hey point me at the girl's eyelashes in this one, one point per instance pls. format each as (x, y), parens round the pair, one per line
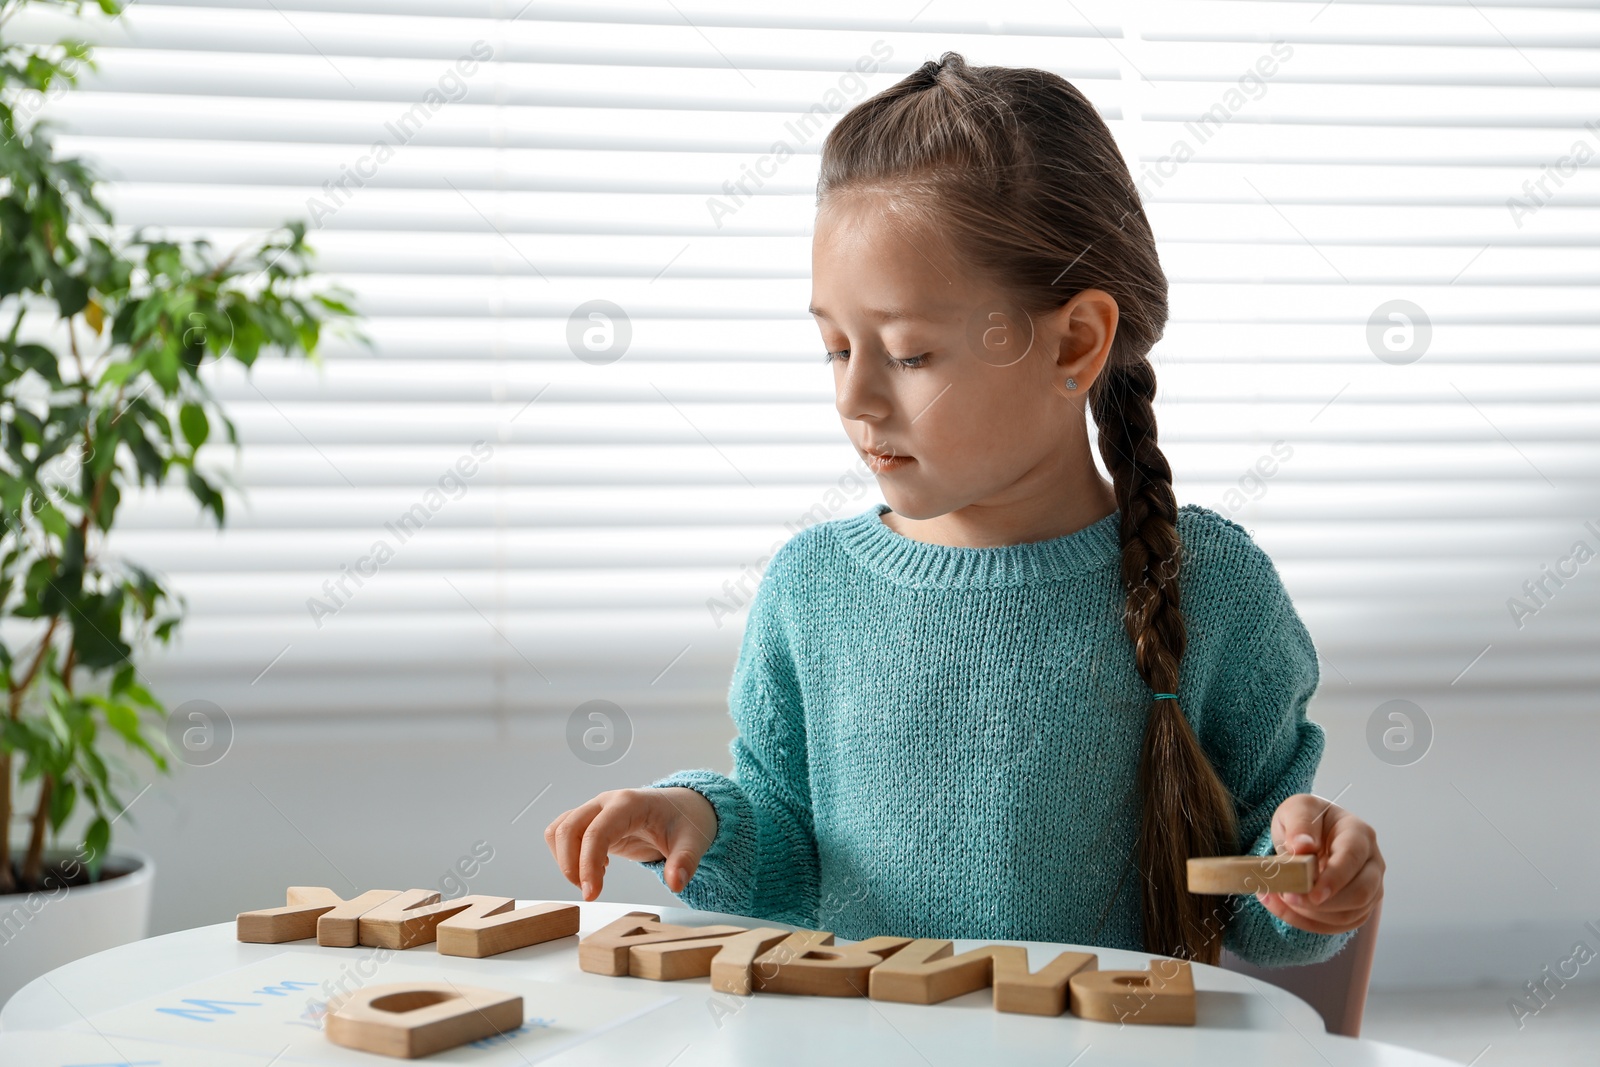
(903, 364)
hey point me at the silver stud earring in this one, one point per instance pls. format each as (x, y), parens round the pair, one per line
(1072, 383)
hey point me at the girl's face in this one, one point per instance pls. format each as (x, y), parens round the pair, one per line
(937, 370)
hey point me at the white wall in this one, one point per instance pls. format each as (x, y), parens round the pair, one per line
(1489, 840)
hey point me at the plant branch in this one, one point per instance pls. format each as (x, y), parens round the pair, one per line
(20, 688)
(33, 863)
(77, 357)
(8, 881)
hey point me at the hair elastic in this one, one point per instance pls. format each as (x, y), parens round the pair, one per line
(1166, 696)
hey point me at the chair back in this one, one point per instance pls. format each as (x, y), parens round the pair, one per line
(1337, 988)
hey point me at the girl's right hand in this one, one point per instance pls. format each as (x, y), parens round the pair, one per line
(675, 824)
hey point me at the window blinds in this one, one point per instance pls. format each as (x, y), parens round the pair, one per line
(580, 235)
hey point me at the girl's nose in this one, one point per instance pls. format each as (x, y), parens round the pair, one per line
(857, 392)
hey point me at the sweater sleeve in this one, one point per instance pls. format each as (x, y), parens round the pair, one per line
(763, 859)
(1266, 750)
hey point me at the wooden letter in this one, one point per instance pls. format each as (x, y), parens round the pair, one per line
(303, 915)
(668, 961)
(469, 933)
(272, 926)
(1043, 993)
(386, 927)
(731, 969)
(925, 972)
(341, 927)
(411, 1019)
(606, 950)
(1252, 874)
(809, 963)
(474, 926)
(1164, 994)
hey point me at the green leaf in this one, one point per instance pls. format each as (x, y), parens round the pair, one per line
(163, 365)
(40, 596)
(121, 371)
(97, 631)
(19, 735)
(205, 494)
(152, 415)
(53, 521)
(40, 360)
(140, 695)
(27, 423)
(60, 725)
(68, 581)
(110, 497)
(95, 768)
(124, 719)
(95, 843)
(121, 678)
(71, 293)
(144, 454)
(62, 799)
(192, 418)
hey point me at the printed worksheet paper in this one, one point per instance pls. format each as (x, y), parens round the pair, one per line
(275, 1008)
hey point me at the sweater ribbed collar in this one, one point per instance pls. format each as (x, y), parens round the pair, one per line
(906, 561)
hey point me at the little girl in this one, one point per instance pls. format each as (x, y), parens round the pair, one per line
(982, 710)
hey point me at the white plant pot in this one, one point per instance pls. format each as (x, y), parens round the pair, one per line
(41, 931)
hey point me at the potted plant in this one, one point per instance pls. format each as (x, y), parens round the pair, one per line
(102, 344)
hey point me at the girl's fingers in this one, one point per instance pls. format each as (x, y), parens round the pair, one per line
(1353, 915)
(623, 822)
(569, 837)
(1311, 926)
(1275, 904)
(1349, 910)
(683, 855)
(630, 820)
(550, 831)
(1302, 921)
(613, 821)
(1349, 877)
(1349, 849)
(1358, 894)
(552, 838)
(1298, 823)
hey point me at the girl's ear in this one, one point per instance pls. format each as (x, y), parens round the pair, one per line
(1085, 325)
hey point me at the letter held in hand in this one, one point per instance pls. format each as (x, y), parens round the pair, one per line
(1253, 874)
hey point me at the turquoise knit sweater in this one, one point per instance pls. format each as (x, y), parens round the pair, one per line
(937, 741)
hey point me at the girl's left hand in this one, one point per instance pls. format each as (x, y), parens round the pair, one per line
(1349, 880)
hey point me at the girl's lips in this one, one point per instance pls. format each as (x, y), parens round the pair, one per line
(884, 464)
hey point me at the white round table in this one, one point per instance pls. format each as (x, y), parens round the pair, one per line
(1239, 1021)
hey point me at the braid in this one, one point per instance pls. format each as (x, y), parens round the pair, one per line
(1187, 810)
